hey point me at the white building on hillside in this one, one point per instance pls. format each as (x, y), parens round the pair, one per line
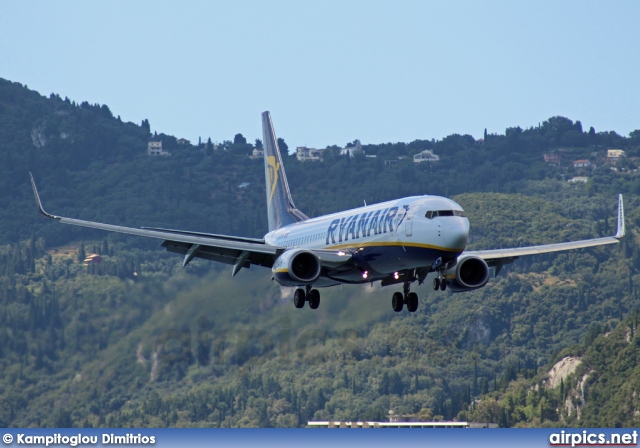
(425, 156)
(303, 153)
(614, 155)
(352, 150)
(154, 148)
(257, 153)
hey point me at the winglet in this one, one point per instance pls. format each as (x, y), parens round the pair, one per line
(620, 232)
(35, 192)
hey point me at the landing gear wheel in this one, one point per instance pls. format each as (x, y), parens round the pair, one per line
(298, 298)
(314, 299)
(443, 284)
(436, 284)
(412, 302)
(397, 301)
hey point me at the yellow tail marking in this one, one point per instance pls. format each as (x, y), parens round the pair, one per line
(273, 175)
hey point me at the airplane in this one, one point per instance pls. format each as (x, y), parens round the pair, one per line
(394, 242)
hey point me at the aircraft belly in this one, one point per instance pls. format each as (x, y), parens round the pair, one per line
(389, 259)
(380, 261)
(324, 282)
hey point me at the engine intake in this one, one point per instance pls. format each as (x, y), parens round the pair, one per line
(297, 267)
(469, 273)
(305, 267)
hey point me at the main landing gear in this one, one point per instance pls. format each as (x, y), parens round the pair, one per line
(399, 299)
(311, 295)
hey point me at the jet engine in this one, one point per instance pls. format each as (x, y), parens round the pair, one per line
(297, 267)
(469, 273)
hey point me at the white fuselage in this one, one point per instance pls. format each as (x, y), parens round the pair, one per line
(388, 237)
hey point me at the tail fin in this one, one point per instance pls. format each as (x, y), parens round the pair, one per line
(280, 207)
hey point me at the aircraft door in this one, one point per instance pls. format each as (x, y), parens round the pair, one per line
(408, 222)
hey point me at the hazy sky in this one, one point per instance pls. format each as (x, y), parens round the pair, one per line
(333, 71)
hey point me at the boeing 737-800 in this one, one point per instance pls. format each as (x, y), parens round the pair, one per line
(394, 242)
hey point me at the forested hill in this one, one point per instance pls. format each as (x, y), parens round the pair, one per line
(90, 165)
(139, 341)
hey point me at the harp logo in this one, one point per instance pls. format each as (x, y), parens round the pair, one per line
(274, 168)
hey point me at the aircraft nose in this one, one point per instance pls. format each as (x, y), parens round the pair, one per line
(457, 233)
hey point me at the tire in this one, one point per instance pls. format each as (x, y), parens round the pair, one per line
(443, 284)
(298, 298)
(397, 302)
(412, 302)
(314, 299)
(436, 284)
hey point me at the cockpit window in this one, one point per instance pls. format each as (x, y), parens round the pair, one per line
(435, 213)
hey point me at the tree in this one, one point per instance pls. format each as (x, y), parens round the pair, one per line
(208, 148)
(593, 138)
(258, 143)
(284, 148)
(240, 145)
(487, 411)
(425, 415)
(62, 419)
(239, 140)
(81, 253)
(146, 126)
(105, 246)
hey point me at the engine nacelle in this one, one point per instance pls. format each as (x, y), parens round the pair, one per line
(469, 273)
(297, 267)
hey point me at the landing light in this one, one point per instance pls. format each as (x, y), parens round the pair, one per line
(365, 274)
(396, 275)
(342, 254)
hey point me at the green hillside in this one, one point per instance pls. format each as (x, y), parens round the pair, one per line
(139, 341)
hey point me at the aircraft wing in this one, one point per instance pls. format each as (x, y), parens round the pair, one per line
(238, 251)
(500, 257)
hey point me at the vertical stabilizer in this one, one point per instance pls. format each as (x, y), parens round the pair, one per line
(280, 208)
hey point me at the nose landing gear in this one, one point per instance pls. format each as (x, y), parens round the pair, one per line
(439, 282)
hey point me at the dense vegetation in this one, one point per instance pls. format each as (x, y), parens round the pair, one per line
(139, 341)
